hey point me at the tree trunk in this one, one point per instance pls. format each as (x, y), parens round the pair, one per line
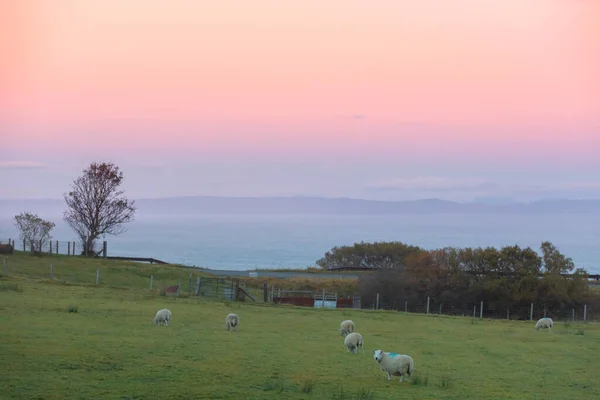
(90, 242)
(89, 246)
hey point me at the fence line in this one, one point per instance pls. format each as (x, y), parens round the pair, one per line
(533, 312)
(174, 281)
(479, 310)
(169, 282)
(63, 247)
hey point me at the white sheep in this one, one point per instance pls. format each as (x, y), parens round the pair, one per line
(353, 341)
(163, 316)
(544, 323)
(232, 321)
(346, 327)
(394, 364)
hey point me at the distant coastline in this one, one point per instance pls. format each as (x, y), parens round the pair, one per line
(224, 233)
(318, 205)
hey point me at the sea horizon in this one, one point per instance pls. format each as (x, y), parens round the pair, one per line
(279, 241)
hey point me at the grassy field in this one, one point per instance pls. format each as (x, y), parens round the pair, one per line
(82, 270)
(133, 275)
(61, 341)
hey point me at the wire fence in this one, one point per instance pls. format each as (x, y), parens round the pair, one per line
(163, 280)
(480, 310)
(64, 247)
(180, 281)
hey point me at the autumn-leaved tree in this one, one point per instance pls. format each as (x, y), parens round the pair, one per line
(379, 255)
(554, 261)
(509, 278)
(96, 206)
(34, 230)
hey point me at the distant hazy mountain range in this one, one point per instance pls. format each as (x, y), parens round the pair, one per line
(312, 205)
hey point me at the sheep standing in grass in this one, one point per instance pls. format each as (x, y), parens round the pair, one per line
(544, 323)
(163, 316)
(232, 321)
(394, 364)
(346, 327)
(353, 342)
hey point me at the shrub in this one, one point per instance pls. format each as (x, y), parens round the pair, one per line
(6, 249)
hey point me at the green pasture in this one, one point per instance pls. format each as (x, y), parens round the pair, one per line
(112, 273)
(72, 341)
(135, 275)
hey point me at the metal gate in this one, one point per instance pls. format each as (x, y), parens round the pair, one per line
(324, 300)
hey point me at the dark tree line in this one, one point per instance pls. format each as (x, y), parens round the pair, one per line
(507, 278)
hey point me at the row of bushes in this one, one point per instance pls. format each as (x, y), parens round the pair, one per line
(507, 278)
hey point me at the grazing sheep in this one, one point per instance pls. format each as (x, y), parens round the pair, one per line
(346, 327)
(163, 316)
(544, 323)
(394, 364)
(232, 321)
(353, 342)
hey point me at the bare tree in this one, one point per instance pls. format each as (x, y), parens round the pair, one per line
(33, 230)
(96, 206)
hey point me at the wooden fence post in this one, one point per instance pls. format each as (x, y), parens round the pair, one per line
(24, 246)
(474, 310)
(73, 247)
(50, 242)
(178, 286)
(69, 248)
(427, 304)
(265, 292)
(531, 313)
(236, 289)
(377, 302)
(584, 312)
(104, 248)
(481, 311)
(190, 285)
(406, 306)
(441, 304)
(508, 313)
(57, 247)
(151, 279)
(51, 272)
(97, 275)
(5, 271)
(573, 314)
(197, 286)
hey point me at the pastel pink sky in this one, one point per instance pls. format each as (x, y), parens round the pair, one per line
(460, 85)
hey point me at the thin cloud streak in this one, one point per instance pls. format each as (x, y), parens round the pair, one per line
(21, 165)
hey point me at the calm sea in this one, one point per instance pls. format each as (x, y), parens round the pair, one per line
(274, 241)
